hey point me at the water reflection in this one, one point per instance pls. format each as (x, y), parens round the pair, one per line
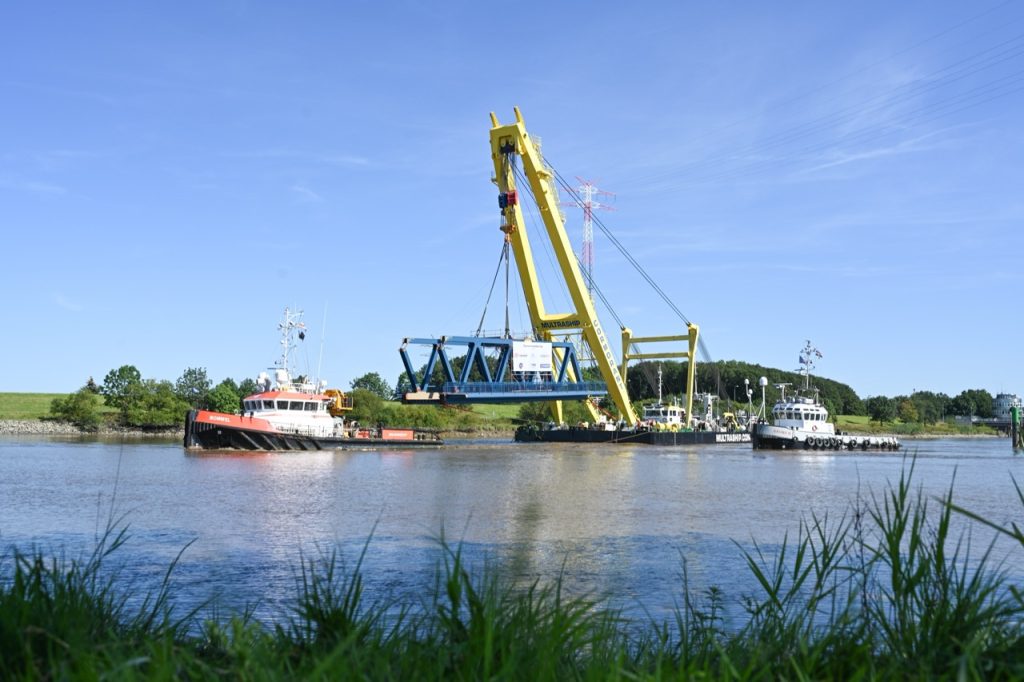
(614, 520)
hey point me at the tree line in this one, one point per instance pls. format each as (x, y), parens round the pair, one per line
(132, 401)
(126, 399)
(726, 380)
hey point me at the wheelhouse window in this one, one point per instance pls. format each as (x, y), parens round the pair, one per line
(282, 404)
(310, 407)
(268, 404)
(295, 405)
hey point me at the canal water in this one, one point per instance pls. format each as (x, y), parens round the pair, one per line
(614, 521)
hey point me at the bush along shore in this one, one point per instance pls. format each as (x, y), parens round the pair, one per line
(885, 591)
(56, 427)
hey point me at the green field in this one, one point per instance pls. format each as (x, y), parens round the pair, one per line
(863, 424)
(26, 405)
(509, 411)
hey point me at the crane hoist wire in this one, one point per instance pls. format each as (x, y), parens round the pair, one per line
(705, 355)
(646, 370)
(502, 260)
(702, 348)
(535, 223)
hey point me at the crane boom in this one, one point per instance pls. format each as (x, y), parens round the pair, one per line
(507, 143)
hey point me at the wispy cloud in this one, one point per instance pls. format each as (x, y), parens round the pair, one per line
(841, 157)
(345, 160)
(327, 159)
(67, 304)
(305, 195)
(32, 186)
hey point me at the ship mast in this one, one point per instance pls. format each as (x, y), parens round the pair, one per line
(292, 321)
(807, 357)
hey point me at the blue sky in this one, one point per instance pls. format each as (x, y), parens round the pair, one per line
(172, 175)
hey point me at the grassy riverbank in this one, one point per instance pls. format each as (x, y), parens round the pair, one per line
(885, 591)
(26, 405)
(862, 424)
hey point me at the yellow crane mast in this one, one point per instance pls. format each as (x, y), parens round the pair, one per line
(507, 143)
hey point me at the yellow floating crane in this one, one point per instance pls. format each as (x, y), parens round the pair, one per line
(509, 143)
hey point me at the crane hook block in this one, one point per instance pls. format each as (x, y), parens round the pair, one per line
(506, 199)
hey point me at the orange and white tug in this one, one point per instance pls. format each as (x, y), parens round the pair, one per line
(293, 414)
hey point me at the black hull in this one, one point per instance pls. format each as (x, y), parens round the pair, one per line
(203, 436)
(760, 442)
(662, 438)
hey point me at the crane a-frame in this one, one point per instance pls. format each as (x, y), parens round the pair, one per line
(509, 142)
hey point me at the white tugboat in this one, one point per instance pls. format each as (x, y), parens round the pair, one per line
(292, 414)
(801, 421)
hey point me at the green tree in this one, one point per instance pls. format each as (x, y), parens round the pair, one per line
(881, 409)
(247, 387)
(224, 397)
(977, 402)
(930, 406)
(81, 408)
(373, 383)
(907, 412)
(403, 385)
(158, 405)
(121, 387)
(367, 406)
(193, 386)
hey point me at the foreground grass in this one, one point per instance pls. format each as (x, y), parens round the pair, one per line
(884, 591)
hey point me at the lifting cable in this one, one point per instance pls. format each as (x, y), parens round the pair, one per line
(702, 348)
(524, 186)
(588, 277)
(705, 355)
(502, 259)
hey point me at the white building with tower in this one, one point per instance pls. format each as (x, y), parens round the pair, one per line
(1002, 404)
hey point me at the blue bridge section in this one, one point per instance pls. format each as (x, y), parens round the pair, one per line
(482, 370)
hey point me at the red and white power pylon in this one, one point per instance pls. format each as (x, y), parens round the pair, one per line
(587, 192)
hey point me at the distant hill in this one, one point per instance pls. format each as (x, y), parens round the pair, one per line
(725, 379)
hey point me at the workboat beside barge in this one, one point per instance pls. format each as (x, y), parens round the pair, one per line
(293, 414)
(801, 422)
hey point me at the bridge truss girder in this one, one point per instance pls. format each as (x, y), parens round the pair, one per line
(499, 384)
